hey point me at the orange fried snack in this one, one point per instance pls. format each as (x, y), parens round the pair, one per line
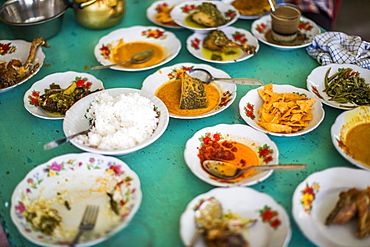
(164, 15)
(284, 112)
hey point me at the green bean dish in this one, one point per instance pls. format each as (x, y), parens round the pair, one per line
(346, 86)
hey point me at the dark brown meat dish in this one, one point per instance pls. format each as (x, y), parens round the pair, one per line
(352, 203)
(14, 71)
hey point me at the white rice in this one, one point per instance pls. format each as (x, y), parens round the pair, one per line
(120, 122)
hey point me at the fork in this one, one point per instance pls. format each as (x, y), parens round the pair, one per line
(87, 222)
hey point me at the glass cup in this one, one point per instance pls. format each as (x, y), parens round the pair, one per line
(284, 22)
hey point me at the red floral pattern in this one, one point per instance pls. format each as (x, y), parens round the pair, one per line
(195, 43)
(265, 152)
(188, 8)
(309, 196)
(156, 34)
(249, 111)
(270, 217)
(7, 48)
(316, 92)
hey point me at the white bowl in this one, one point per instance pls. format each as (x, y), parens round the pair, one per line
(80, 179)
(343, 123)
(316, 82)
(64, 80)
(194, 43)
(75, 121)
(155, 8)
(20, 49)
(248, 203)
(254, 102)
(167, 40)
(181, 11)
(259, 142)
(164, 75)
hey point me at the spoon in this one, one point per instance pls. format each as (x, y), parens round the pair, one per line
(137, 58)
(56, 143)
(272, 5)
(206, 77)
(204, 215)
(217, 168)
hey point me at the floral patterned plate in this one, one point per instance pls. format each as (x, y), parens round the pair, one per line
(237, 35)
(19, 49)
(181, 12)
(316, 82)
(316, 196)
(271, 229)
(259, 142)
(261, 29)
(345, 122)
(78, 180)
(157, 8)
(64, 80)
(250, 103)
(150, 34)
(163, 75)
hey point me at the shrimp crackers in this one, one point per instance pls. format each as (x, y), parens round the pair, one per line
(284, 112)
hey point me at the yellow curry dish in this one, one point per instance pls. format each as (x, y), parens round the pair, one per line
(124, 52)
(358, 142)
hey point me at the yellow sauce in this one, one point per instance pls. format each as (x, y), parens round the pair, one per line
(170, 94)
(225, 55)
(124, 52)
(358, 142)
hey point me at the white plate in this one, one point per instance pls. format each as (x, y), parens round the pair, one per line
(84, 178)
(237, 35)
(251, 102)
(263, 25)
(163, 75)
(64, 80)
(316, 196)
(266, 149)
(150, 34)
(250, 204)
(316, 82)
(154, 9)
(75, 121)
(181, 11)
(20, 49)
(343, 123)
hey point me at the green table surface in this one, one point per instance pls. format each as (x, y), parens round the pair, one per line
(167, 183)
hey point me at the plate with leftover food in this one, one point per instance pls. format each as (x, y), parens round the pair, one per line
(52, 96)
(121, 44)
(48, 204)
(19, 61)
(281, 110)
(250, 9)
(330, 207)
(243, 215)
(350, 135)
(342, 86)
(239, 145)
(204, 16)
(226, 45)
(176, 89)
(307, 29)
(119, 120)
(159, 13)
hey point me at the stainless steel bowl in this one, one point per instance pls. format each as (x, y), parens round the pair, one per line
(33, 19)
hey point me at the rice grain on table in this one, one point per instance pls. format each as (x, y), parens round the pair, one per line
(120, 122)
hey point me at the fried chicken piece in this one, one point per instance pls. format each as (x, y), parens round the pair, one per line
(345, 209)
(217, 41)
(363, 208)
(222, 238)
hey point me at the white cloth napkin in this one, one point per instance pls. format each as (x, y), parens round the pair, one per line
(337, 47)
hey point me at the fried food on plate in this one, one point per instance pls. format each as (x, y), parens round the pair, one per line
(251, 7)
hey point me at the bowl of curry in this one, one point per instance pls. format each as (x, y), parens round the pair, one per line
(121, 44)
(166, 85)
(350, 135)
(237, 144)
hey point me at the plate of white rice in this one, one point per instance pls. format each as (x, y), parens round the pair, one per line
(121, 121)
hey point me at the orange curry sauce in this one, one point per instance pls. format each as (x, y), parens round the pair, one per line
(232, 152)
